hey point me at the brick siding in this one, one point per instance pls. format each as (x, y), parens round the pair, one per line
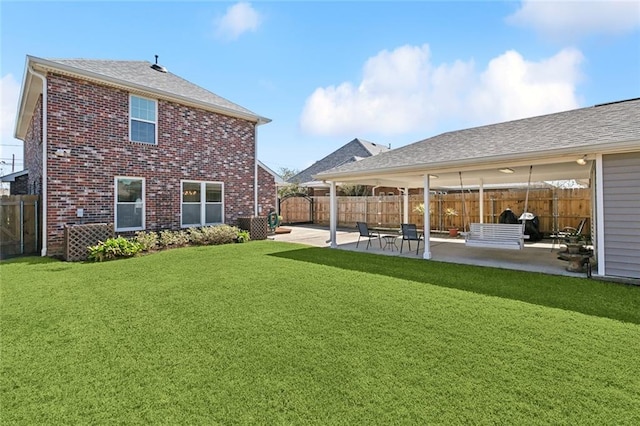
(266, 191)
(92, 121)
(33, 151)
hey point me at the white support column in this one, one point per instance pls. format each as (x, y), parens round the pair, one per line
(481, 201)
(601, 255)
(427, 220)
(333, 215)
(405, 212)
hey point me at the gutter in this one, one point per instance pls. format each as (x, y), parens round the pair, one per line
(44, 158)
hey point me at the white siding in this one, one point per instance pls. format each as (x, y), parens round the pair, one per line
(621, 196)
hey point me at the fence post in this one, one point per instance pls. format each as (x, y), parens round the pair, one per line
(35, 214)
(21, 226)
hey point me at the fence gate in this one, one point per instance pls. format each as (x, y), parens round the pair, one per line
(296, 208)
(19, 225)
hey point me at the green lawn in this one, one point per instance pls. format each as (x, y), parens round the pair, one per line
(276, 333)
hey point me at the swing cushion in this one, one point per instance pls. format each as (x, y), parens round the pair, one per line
(496, 235)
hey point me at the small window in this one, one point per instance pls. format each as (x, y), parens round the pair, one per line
(142, 120)
(202, 203)
(130, 205)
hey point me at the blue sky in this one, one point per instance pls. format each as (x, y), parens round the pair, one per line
(327, 72)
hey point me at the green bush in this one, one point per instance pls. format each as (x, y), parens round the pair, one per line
(114, 248)
(243, 236)
(173, 239)
(196, 236)
(219, 234)
(148, 240)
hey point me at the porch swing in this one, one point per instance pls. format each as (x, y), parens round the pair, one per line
(508, 236)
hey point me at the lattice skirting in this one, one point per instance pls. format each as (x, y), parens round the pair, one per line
(257, 226)
(78, 237)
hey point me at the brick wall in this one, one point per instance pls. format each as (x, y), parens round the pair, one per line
(33, 151)
(266, 191)
(92, 121)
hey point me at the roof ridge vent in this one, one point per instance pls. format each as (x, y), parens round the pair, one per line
(157, 66)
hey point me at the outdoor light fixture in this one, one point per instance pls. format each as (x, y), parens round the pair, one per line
(506, 170)
(582, 161)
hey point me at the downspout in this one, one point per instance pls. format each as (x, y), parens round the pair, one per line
(44, 159)
(255, 169)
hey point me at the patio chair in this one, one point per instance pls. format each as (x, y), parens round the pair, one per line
(410, 233)
(568, 231)
(364, 232)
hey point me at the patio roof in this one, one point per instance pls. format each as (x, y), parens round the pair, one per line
(551, 143)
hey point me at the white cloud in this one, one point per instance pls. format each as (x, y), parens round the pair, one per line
(239, 19)
(403, 92)
(570, 20)
(512, 87)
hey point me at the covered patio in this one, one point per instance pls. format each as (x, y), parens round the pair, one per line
(597, 146)
(535, 257)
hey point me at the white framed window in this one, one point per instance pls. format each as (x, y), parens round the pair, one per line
(129, 203)
(202, 203)
(143, 122)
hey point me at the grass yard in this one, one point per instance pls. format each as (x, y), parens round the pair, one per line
(276, 333)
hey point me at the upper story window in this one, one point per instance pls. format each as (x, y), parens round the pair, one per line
(142, 119)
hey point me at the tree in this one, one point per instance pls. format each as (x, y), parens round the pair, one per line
(291, 187)
(354, 190)
(287, 173)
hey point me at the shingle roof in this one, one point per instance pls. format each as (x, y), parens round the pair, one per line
(140, 73)
(353, 151)
(600, 124)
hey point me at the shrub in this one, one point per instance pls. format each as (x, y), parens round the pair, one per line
(219, 234)
(114, 248)
(243, 236)
(196, 236)
(148, 240)
(173, 238)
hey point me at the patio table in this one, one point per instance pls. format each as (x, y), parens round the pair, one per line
(390, 242)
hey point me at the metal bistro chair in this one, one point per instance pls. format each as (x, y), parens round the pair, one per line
(364, 232)
(410, 233)
(567, 231)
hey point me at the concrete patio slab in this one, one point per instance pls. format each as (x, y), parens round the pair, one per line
(535, 257)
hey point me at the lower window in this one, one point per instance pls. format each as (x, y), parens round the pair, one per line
(202, 203)
(130, 206)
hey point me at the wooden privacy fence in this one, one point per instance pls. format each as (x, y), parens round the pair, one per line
(297, 208)
(555, 208)
(19, 225)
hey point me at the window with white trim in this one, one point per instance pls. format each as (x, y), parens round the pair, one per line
(130, 205)
(142, 119)
(202, 203)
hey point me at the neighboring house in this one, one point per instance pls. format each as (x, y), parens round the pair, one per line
(599, 145)
(18, 183)
(129, 143)
(268, 181)
(355, 150)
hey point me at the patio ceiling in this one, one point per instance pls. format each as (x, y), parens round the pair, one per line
(475, 174)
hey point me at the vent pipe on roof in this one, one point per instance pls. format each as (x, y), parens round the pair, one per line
(158, 67)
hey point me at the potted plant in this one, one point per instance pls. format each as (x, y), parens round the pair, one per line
(450, 212)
